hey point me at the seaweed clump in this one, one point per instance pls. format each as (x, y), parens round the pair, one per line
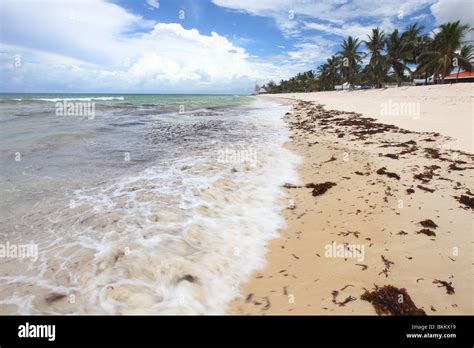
(319, 189)
(389, 300)
(466, 200)
(448, 285)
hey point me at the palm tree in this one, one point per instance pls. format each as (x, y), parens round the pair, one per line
(467, 54)
(329, 73)
(440, 57)
(399, 51)
(376, 44)
(351, 56)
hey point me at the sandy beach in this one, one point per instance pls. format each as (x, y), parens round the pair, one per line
(383, 200)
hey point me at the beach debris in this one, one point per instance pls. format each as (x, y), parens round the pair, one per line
(410, 191)
(364, 267)
(409, 150)
(402, 233)
(345, 234)
(319, 189)
(53, 297)
(427, 174)
(466, 200)
(432, 153)
(360, 173)
(296, 257)
(267, 304)
(425, 189)
(426, 231)
(291, 186)
(419, 279)
(425, 177)
(285, 291)
(428, 223)
(345, 287)
(390, 300)
(387, 264)
(391, 155)
(383, 171)
(453, 166)
(249, 297)
(448, 285)
(348, 299)
(331, 159)
(119, 255)
(189, 278)
(291, 205)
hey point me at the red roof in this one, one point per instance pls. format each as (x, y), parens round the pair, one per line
(461, 74)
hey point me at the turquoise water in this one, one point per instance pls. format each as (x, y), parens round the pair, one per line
(190, 100)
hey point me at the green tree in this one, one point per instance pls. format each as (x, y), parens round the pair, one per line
(351, 57)
(444, 52)
(399, 51)
(376, 69)
(467, 54)
(329, 73)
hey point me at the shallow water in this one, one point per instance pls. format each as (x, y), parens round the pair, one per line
(154, 205)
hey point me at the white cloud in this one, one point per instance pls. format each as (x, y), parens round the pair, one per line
(153, 4)
(453, 10)
(349, 29)
(345, 16)
(310, 53)
(94, 52)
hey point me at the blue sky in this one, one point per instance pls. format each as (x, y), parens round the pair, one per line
(188, 46)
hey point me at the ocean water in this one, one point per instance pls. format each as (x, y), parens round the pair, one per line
(137, 204)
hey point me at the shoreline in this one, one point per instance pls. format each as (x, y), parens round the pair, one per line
(385, 186)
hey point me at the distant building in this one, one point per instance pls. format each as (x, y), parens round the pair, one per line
(464, 76)
(262, 91)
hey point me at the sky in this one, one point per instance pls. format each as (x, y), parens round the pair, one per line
(188, 46)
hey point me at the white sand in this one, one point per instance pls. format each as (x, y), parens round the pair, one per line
(446, 109)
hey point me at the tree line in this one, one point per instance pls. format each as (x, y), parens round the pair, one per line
(394, 58)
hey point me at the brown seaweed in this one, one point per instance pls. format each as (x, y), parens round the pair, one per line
(386, 301)
(425, 189)
(53, 297)
(448, 285)
(387, 264)
(348, 299)
(319, 189)
(383, 171)
(466, 200)
(426, 231)
(428, 223)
